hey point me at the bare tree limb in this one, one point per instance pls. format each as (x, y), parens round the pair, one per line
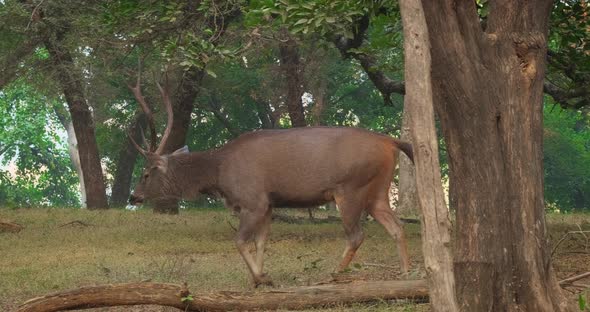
(180, 297)
(564, 97)
(564, 237)
(384, 84)
(574, 278)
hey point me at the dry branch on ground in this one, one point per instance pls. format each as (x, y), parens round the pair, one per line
(180, 297)
(7, 226)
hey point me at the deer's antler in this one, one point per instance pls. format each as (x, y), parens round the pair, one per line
(153, 146)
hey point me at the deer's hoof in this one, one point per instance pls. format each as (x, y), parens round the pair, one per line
(263, 280)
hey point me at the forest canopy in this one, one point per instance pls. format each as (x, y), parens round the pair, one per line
(226, 66)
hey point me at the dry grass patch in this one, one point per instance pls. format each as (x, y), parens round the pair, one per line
(65, 248)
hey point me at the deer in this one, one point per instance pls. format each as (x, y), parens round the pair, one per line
(297, 167)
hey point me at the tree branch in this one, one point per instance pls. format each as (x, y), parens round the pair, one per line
(215, 108)
(384, 84)
(564, 97)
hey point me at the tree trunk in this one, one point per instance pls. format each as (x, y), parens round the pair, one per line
(488, 91)
(126, 163)
(172, 295)
(73, 151)
(183, 108)
(294, 81)
(319, 105)
(418, 103)
(83, 123)
(408, 200)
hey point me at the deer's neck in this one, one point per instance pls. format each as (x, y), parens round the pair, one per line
(195, 173)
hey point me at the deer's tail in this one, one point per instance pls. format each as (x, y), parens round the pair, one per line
(405, 147)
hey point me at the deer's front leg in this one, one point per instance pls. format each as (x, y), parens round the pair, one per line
(254, 224)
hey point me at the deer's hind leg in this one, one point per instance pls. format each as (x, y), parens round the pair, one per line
(381, 211)
(351, 207)
(254, 225)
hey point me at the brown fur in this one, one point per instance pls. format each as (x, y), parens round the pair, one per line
(287, 168)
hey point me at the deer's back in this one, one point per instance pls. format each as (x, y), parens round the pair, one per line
(303, 166)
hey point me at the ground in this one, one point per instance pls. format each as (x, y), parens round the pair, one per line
(64, 248)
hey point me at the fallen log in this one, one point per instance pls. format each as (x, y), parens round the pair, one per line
(7, 226)
(180, 297)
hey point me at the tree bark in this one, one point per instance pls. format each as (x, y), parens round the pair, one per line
(319, 105)
(183, 108)
(293, 72)
(488, 91)
(73, 151)
(83, 123)
(171, 295)
(126, 163)
(418, 103)
(408, 198)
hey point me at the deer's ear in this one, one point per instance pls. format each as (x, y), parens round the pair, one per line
(182, 150)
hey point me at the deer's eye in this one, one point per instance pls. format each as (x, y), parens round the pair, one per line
(145, 176)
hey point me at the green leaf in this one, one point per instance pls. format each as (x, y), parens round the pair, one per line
(187, 298)
(301, 21)
(211, 73)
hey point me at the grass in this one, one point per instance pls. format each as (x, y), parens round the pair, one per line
(66, 248)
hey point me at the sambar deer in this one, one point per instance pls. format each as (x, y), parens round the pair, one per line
(281, 168)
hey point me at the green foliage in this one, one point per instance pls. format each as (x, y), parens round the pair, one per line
(321, 17)
(37, 167)
(183, 33)
(188, 298)
(566, 158)
(569, 53)
(569, 33)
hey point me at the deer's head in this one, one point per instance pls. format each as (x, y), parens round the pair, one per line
(156, 181)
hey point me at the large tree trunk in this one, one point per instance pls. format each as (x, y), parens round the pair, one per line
(418, 103)
(408, 200)
(296, 298)
(70, 82)
(488, 91)
(292, 70)
(73, 151)
(126, 163)
(183, 105)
